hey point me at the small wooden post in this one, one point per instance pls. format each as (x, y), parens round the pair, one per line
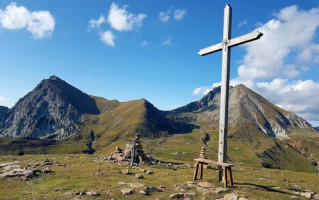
(196, 171)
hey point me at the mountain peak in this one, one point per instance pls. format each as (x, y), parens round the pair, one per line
(53, 107)
(245, 107)
(54, 77)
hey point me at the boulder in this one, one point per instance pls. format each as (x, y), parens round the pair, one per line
(316, 196)
(189, 195)
(46, 170)
(126, 191)
(151, 189)
(176, 196)
(308, 195)
(92, 193)
(220, 190)
(139, 176)
(135, 185)
(243, 198)
(11, 167)
(231, 196)
(23, 173)
(206, 184)
(143, 192)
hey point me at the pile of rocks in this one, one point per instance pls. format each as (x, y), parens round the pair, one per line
(12, 170)
(22, 173)
(133, 149)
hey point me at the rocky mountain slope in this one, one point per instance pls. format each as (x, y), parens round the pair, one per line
(52, 109)
(57, 110)
(3, 112)
(245, 108)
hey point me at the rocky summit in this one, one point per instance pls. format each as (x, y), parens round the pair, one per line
(246, 108)
(53, 109)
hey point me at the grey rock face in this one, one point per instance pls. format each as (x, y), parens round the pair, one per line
(245, 107)
(54, 109)
(3, 111)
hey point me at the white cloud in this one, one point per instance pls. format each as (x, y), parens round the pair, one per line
(164, 16)
(298, 96)
(14, 17)
(242, 23)
(108, 38)
(5, 102)
(167, 42)
(121, 20)
(201, 90)
(145, 44)
(179, 14)
(96, 23)
(39, 23)
(291, 32)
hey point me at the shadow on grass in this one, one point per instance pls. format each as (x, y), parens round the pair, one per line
(266, 188)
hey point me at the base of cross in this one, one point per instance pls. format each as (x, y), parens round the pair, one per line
(226, 167)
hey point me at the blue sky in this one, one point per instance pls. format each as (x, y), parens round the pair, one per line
(129, 50)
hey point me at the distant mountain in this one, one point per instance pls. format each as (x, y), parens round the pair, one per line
(317, 128)
(53, 109)
(121, 120)
(245, 108)
(57, 110)
(3, 112)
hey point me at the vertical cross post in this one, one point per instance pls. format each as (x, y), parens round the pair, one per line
(223, 120)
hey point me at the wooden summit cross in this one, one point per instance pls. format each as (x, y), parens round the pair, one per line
(225, 46)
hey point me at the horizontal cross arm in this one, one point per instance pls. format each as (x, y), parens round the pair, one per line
(244, 39)
(231, 43)
(211, 49)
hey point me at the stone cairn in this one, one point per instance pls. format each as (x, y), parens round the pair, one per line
(203, 153)
(133, 149)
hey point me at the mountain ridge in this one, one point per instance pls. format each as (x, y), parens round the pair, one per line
(55, 109)
(245, 107)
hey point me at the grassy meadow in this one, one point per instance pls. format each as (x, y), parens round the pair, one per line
(76, 173)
